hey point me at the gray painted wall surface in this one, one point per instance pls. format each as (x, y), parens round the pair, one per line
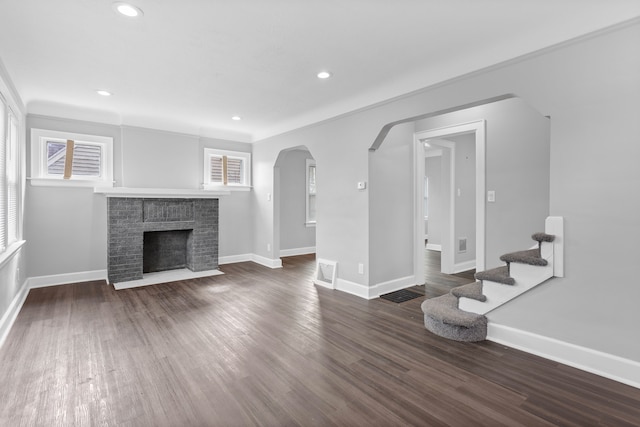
(590, 89)
(433, 171)
(517, 164)
(294, 233)
(465, 216)
(595, 182)
(391, 207)
(65, 228)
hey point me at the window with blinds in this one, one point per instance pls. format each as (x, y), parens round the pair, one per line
(63, 158)
(227, 168)
(9, 163)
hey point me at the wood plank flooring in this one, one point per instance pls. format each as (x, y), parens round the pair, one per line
(262, 347)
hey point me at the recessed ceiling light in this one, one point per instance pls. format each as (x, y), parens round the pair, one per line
(324, 75)
(236, 118)
(127, 9)
(104, 92)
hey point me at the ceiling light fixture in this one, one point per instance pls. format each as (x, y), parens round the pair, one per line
(104, 92)
(324, 74)
(127, 9)
(236, 118)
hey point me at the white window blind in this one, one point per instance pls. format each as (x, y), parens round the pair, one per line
(234, 170)
(216, 170)
(3, 175)
(12, 180)
(231, 169)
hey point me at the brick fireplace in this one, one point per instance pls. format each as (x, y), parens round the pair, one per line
(171, 233)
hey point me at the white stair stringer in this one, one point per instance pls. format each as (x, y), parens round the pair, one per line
(526, 277)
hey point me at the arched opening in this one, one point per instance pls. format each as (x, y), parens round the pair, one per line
(294, 202)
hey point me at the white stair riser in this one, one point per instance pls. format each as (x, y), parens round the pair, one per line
(530, 275)
(525, 276)
(474, 306)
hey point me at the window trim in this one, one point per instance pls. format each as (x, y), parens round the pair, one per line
(246, 176)
(39, 176)
(308, 163)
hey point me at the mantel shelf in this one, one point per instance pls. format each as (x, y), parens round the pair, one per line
(160, 193)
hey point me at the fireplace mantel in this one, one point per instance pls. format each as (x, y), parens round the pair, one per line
(161, 193)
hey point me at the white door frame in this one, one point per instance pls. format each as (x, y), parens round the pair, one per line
(448, 241)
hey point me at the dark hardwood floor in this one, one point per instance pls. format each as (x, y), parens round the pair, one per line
(437, 283)
(266, 347)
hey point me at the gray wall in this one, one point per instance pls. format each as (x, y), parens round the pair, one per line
(391, 207)
(294, 234)
(433, 171)
(517, 169)
(590, 89)
(465, 215)
(66, 227)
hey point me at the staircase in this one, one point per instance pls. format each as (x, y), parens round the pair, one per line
(461, 314)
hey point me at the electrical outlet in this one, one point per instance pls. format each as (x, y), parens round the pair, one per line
(360, 268)
(268, 247)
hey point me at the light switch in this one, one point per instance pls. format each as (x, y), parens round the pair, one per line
(268, 197)
(491, 196)
(362, 185)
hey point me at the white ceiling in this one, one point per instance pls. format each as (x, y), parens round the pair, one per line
(189, 65)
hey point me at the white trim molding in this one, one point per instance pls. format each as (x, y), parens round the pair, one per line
(232, 259)
(606, 365)
(10, 316)
(390, 286)
(267, 262)
(464, 266)
(433, 247)
(298, 251)
(66, 278)
(352, 288)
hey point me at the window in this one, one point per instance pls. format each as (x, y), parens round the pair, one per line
(311, 193)
(62, 158)
(230, 169)
(9, 163)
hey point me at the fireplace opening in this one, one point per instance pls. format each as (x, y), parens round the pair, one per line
(165, 250)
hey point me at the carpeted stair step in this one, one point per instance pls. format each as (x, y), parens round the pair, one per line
(543, 237)
(530, 257)
(443, 317)
(498, 275)
(472, 290)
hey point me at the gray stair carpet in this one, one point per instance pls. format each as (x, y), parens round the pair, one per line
(443, 317)
(531, 257)
(543, 237)
(472, 290)
(498, 275)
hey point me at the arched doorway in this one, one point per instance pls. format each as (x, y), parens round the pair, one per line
(294, 202)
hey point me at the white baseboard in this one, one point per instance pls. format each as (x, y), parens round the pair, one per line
(267, 262)
(464, 266)
(66, 278)
(391, 286)
(433, 247)
(231, 259)
(606, 365)
(11, 314)
(352, 288)
(298, 251)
